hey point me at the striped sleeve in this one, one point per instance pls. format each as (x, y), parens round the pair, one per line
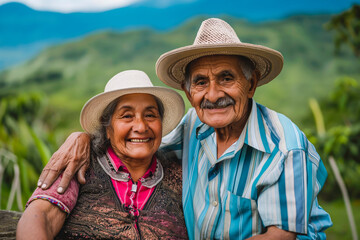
(290, 202)
(283, 203)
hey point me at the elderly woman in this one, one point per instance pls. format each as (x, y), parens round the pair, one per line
(130, 191)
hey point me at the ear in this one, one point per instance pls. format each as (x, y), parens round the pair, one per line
(107, 132)
(253, 84)
(187, 93)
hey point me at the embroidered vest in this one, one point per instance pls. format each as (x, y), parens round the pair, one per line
(99, 214)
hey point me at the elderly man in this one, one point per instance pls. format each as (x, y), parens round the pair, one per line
(248, 172)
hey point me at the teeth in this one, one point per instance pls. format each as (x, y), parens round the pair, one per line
(139, 140)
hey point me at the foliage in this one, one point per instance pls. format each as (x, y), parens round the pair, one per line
(347, 27)
(25, 143)
(66, 76)
(341, 113)
(69, 74)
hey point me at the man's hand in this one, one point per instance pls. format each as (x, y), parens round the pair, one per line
(73, 156)
(274, 233)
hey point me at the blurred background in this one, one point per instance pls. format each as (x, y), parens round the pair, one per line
(55, 55)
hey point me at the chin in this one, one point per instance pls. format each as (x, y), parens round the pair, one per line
(216, 120)
(217, 124)
(141, 157)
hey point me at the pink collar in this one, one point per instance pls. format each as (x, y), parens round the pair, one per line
(115, 168)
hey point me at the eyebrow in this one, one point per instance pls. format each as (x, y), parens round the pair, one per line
(197, 77)
(127, 107)
(226, 73)
(223, 73)
(151, 108)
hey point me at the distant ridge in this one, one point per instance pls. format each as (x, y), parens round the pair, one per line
(24, 31)
(20, 24)
(72, 72)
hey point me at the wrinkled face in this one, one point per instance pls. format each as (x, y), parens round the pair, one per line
(136, 128)
(219, 92)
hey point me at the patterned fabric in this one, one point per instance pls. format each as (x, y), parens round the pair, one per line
(133, 200)
(133, 196)
(270, 176)
(99, 214)
(66, 202)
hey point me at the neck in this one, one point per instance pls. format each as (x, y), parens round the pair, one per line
(137, 167)
(229, 134)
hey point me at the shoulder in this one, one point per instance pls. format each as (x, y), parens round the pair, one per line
(284, 133)
(172, 171)
(183, 131)
(191, 119)
(168, 163)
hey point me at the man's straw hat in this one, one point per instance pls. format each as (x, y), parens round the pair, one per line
(217, 37)
(127, 82)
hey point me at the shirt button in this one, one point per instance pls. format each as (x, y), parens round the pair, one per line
(214, 203)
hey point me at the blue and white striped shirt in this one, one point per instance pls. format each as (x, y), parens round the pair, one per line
(269, 177)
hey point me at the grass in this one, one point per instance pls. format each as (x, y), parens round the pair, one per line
(341, 227)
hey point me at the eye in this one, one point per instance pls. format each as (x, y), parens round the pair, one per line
(126, 116)
(199, 81)
(152, 115)
(227, 78)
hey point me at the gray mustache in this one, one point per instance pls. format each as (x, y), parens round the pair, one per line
(220, 103)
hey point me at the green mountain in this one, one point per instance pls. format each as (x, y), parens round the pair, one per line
(69, 74)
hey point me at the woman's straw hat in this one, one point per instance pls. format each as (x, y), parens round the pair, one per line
(127, 82)
(217, 37)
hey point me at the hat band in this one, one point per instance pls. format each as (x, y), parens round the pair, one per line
(177, 70)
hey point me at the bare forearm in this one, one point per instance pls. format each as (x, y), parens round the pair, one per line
(40, 220)
(274, 233)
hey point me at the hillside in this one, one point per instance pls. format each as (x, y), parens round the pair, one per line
(69, 74)
(25, 32)
(45, 26)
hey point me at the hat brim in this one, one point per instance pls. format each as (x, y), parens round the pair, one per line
(173, 107)
(170, 67)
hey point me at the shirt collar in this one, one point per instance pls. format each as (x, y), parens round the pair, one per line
(117, 170)
(120, 166)
(254, 134)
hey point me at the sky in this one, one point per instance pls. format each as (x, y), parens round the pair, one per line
(67, 6)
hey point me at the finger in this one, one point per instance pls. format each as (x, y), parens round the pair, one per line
(81, 173)
(46, 170)
(53, 173)
(43, 176)
(52, 164)
(66, 178)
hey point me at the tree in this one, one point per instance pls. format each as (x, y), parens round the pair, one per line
(347, 27)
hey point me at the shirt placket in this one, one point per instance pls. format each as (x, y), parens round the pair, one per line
(214, 205)
(214, 201)
(133, 210)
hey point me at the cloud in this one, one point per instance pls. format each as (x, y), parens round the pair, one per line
(166, 3)
(67, 6)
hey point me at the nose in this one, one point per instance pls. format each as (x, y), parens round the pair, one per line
(214, 92)
(140, 125)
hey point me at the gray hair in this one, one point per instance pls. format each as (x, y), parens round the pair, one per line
(99, 140)
(246, 65)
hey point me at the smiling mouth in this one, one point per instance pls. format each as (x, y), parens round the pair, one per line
(139, 140)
